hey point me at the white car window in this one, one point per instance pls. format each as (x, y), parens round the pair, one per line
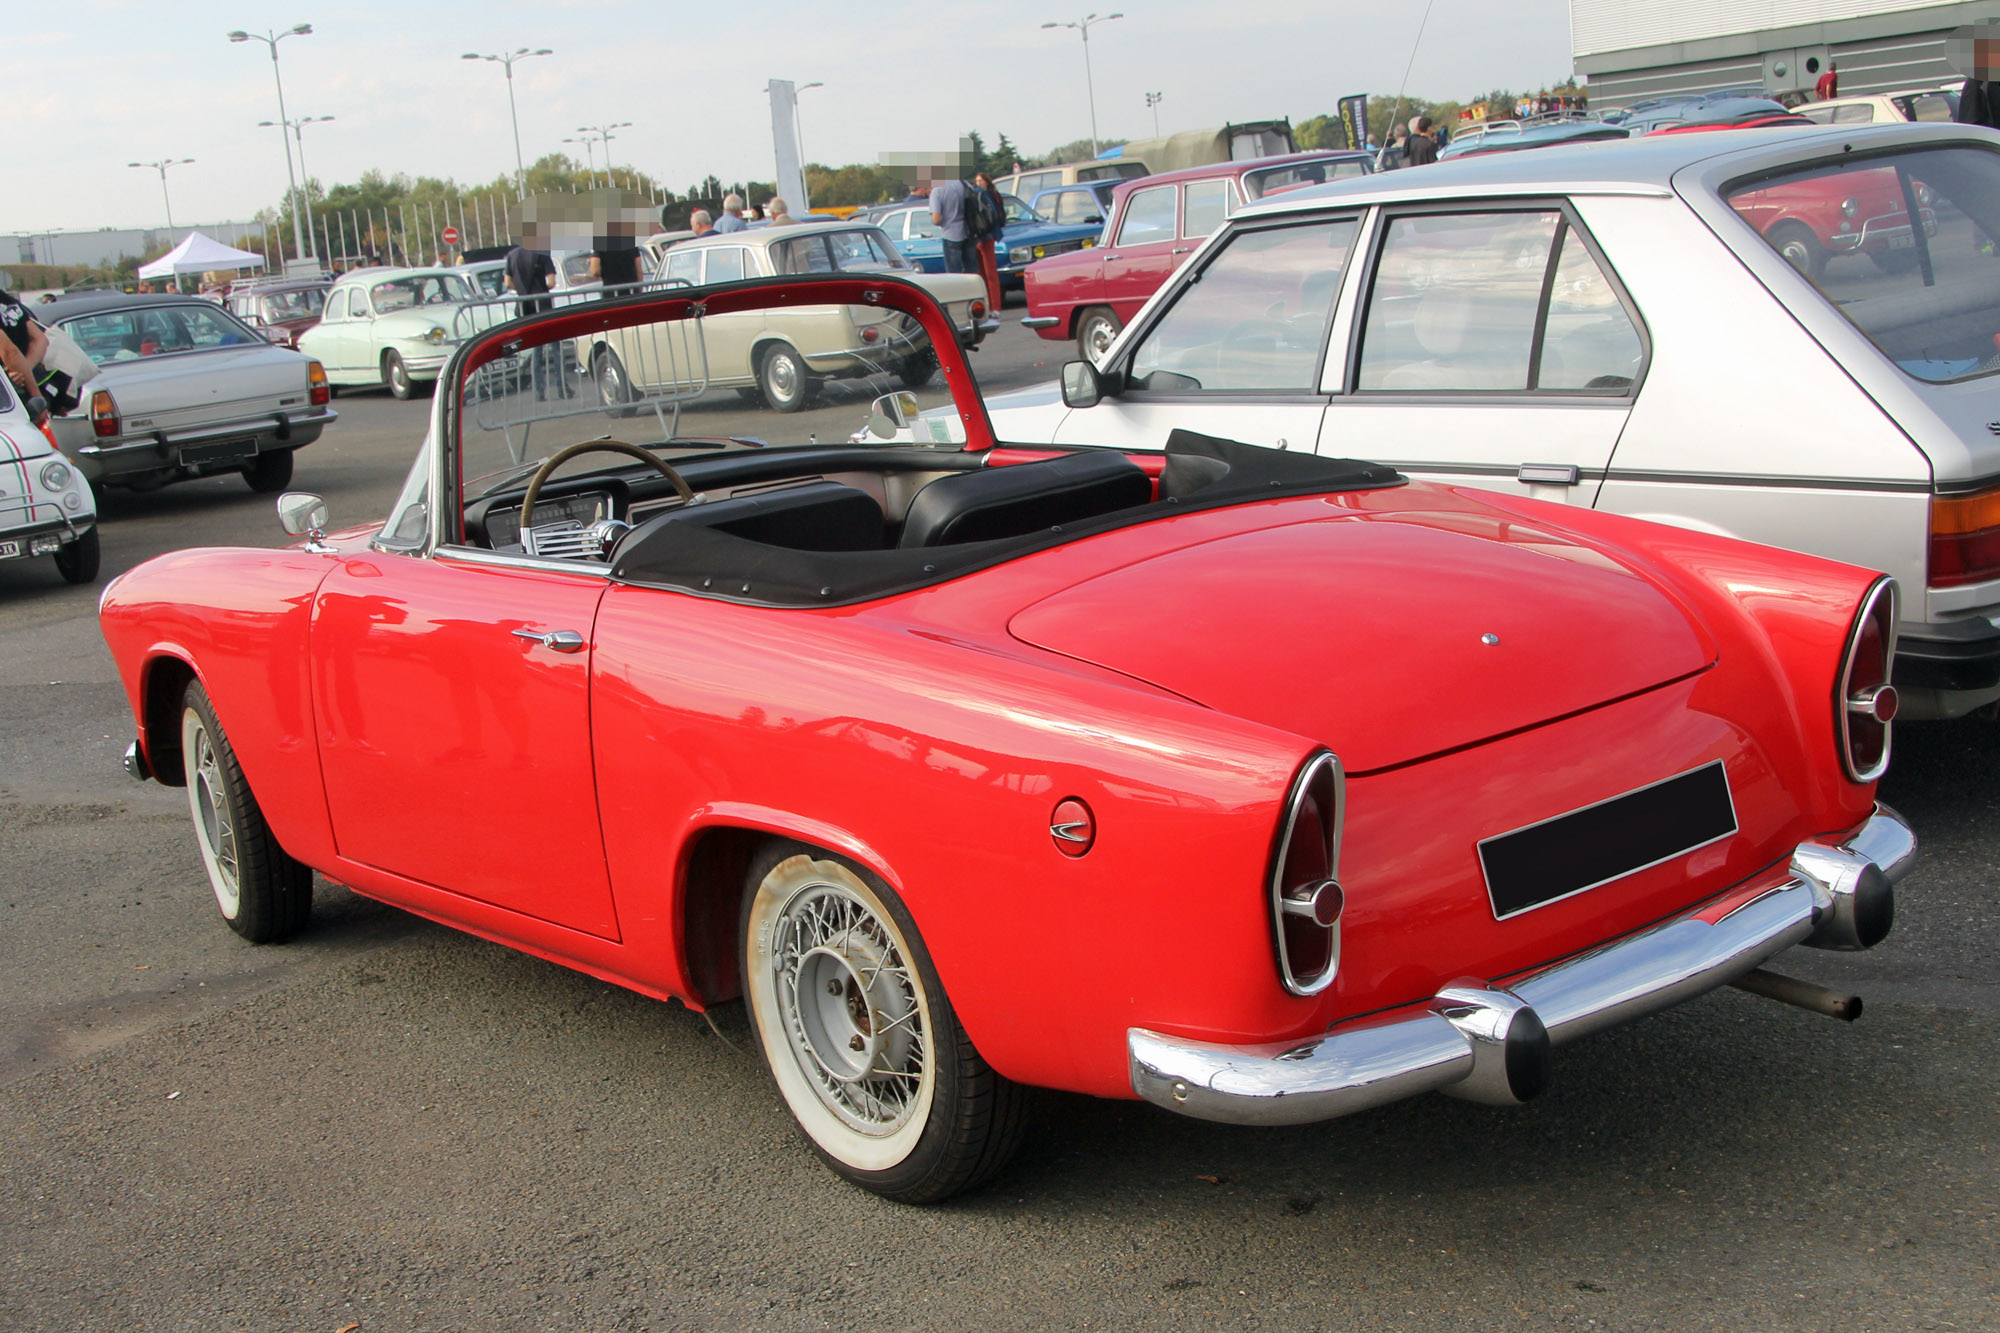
(1256, 320)
(1149, 216)
(725, 264)
(1932, 107)
(684, 265)
(1078, 206)
(336, 307)
(920, 226)
(1588, 340)
(1855, 113)
(1454, 301)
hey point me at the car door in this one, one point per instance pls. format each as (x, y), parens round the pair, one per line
(1492, 347)
(359, 356)
(454, 729)
(1238, 349)
(1142, 254)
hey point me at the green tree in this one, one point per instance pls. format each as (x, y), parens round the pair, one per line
(973, 150)
(1005, 155)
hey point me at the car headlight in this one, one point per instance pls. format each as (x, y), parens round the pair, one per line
(433, 335)
(1040, 251)
(55, 474)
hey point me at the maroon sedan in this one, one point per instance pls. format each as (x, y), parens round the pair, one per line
(280, 308)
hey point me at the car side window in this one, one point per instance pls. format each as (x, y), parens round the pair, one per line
(1205, 208)
(1149, 216)
(1078, 206)
(1931, 107)
(1858, 113)
(1494, 302)
(336, 307)
(684, 265)
(725, 264)
(920, 225)
(1255, 320)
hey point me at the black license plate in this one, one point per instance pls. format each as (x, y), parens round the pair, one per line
(221, 451)
(1568, 854)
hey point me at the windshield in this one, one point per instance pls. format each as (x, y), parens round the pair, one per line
(127, 335)
(859, 249)
(423, 289)
(305, 303)
(1927, 294)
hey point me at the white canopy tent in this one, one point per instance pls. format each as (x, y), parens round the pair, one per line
(200, 254)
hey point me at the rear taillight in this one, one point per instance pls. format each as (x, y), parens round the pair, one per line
(1865, 702)
(978, 311)
(316, 379)
(1306, 899)
(1965, 538)
(104, 414)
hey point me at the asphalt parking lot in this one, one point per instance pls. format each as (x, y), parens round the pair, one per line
(391, 1125)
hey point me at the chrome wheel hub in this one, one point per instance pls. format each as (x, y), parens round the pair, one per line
(211, 810)
(784, 376)
(850, 1007)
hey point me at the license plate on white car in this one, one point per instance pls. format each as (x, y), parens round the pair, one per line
(222, 451)
(1904, 241)
(8, 550)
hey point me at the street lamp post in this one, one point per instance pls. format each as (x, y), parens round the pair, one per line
(799, 133)
(1153, 101)
(161, 167)
(589, 156)
(1082, 25)
(506, 62)
(297, 127)
(604, 132)
(302, 30)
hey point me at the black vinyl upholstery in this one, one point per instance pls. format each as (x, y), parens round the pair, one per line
(817, 516)
(1021, 498)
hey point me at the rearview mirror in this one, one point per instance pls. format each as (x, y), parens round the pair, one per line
(302, 515)
(1082, 385)
(890, 413)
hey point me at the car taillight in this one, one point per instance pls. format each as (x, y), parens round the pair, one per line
(1306, 898)
(978, 311)
(103, 414)
(316, 380)
(1865, 702)
(1965, 538)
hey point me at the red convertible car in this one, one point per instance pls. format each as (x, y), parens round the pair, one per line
(1263, 786)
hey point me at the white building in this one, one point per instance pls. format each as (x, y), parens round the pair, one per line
(106, 246)
(1631, 51)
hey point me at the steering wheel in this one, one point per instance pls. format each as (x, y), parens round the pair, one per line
(561, 456)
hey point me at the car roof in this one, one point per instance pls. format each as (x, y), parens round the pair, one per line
(761, 234)
(1645, 165)
(355, 276)
(1237, 168)
(93, 302)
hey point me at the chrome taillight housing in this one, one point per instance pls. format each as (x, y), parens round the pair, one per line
(1306, 898)
(1865, 702)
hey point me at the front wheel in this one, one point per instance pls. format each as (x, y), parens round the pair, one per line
(859, 1036)
(614, 386)
(397, 375)
(269, 472)
(917, 370)
(263, 894)
(1801, 249)
(786, 383)
(77, 561)
(1096, 329)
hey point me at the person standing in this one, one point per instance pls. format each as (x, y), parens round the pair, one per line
(614, 257)
(781, 213)
(961, 254)
(1421, 149)
(702, 222)
(1828, 86)
(1395, 153)
(732, 214)
(989, 262)
(528, 270)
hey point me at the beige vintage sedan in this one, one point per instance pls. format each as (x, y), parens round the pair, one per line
(781, 357)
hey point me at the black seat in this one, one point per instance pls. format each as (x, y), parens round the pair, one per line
(817, 516)
(1022, 498)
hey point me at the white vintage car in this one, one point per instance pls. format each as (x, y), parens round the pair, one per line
(398, 326)
(45, 504)
(782, 357)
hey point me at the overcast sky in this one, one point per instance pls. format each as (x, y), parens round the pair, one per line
(107, 82)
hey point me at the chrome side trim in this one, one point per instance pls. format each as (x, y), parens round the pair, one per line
(1487, 1041)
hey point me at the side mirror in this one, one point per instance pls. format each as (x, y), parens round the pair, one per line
(891, 413)
(302, 515)
(1082, 384)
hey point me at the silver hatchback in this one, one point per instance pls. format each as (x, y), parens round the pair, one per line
(1789, 336)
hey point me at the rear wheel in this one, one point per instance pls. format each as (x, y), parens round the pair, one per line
(860, 1037)
(270, 471)
(786, 383)
(77, 561)
(263, 894)
(1801, 249)
(917, 370)
(1096, 328)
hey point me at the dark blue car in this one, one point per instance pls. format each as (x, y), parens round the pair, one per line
(1028, 236)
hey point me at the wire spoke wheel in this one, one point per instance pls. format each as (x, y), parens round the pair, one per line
(859, 1037)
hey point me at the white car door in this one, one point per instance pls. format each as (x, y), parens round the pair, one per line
(1236, 349)
(1490, 348)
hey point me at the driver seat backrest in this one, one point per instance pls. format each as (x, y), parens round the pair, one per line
(816, 516)
(1020, 498)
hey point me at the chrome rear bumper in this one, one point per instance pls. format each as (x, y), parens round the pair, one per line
(1490, 1043)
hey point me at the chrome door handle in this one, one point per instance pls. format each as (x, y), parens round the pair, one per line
(560, 640)
(1182, 249)
(1549, 474)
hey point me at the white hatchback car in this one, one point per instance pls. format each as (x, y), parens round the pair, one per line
(46, 507)
(1616, 325)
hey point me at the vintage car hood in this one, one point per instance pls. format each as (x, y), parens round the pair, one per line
(1368, 634)
(190, 386)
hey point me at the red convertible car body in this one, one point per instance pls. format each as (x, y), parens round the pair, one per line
(1264, 786)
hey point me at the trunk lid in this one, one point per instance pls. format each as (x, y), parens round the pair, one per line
(191, 389)
(1374, 630)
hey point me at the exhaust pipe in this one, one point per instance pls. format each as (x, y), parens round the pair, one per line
(1803, 994)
